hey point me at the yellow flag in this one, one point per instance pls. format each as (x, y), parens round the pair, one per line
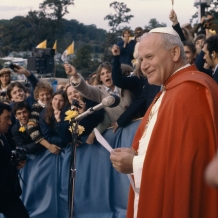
(70, 49)
(42, 44)
(55, 45)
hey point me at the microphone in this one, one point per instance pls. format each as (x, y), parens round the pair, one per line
(110, 101)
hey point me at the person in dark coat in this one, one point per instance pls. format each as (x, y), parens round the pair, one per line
(22, 111)
(127, 47)
(10, 204)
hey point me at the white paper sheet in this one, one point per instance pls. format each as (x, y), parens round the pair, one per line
(105, 144)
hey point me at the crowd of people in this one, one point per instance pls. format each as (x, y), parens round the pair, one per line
(167, 75)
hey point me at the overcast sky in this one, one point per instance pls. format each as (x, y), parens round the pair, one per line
(94, 11)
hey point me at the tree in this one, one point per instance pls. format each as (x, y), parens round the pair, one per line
(121, 16)
(58, 7)
(83, 61)
(114, 21)
(153, 23)
(213, 9)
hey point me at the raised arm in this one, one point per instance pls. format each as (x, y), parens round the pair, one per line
(130, 83)
(79, 83)
(176, 25)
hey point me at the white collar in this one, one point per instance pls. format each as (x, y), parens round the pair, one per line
(116, 90)
(42, 104)
(215, 68)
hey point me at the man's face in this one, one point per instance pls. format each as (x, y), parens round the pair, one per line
(207, 57)
(156, 62)
(5, 121)
(22, 116)
(17, 94)
(190, 56)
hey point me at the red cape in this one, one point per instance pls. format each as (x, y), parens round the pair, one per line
(183, 141)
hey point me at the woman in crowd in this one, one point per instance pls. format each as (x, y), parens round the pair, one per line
(42, 94)
(99, 92)
(89, 122)
(53, 127)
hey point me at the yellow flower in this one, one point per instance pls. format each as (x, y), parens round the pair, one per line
(22, 129)
(81, 129)
(70, 115)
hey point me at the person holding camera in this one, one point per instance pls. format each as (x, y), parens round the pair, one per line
(10, 204)
(207, 22)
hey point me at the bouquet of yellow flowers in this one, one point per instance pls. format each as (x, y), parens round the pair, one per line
(70, 115)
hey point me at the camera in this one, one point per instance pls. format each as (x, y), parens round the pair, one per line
(3, 93)
(18, 155)
(76, 103)
(13, 66)
(207, 20)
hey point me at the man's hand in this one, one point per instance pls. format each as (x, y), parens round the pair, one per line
(21, 70)
(208, 33)
(21, 164)
(115, 127)
(122, 159)
(173, 17)
(115, 50)
(126, 40)
(203, 19)
(70, 70)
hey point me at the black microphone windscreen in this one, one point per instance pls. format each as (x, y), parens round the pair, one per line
(116, 102)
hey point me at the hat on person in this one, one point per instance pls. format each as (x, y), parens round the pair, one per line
(4, 71)
(166, 30)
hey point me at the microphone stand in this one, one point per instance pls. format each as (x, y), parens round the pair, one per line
(72, 169)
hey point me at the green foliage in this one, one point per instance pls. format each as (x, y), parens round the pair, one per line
(153, 23)
(121, 16)
(83, 61)
(114, 21)
(24, 33)
(58, 8)
(212, 9)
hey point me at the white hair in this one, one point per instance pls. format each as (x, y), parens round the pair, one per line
(169, 41)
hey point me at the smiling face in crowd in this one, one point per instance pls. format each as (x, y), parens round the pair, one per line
(73, 94)
(190, 56)
(23, 116)
(106, 78)
(58, 102)
(18, 94)
(5, 79)
(44, 96)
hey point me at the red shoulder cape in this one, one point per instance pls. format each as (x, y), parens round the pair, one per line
(183, 142)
